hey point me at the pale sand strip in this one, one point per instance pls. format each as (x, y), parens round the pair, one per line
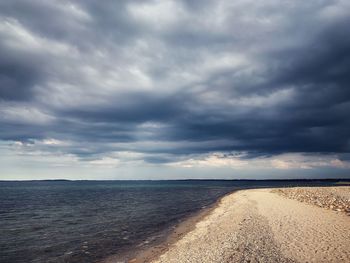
(260, 226)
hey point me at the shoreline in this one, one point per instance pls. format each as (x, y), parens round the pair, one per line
(259, 225)
(178, 231)
(154, 249)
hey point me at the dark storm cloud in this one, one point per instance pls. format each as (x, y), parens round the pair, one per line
(134, 108)
(17, 75)
(176, 78)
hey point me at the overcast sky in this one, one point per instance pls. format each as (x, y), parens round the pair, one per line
(174, 89)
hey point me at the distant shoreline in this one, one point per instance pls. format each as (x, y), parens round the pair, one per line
(184, 180)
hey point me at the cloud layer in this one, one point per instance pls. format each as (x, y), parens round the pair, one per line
(169, 80)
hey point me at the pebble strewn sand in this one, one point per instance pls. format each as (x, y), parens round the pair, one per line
(334, 198)
(262, 226)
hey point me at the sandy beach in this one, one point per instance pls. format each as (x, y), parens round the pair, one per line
(267, 225)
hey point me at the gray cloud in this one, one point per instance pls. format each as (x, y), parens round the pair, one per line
(176, 78)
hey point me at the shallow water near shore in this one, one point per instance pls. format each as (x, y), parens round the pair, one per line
(87, 221)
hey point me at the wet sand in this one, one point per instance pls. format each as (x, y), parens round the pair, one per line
(260, 226)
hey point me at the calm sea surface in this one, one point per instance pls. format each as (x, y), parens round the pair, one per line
(85, 221)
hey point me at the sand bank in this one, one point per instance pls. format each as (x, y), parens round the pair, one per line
(263, 226)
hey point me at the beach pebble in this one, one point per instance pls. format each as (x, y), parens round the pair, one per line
(334, 198)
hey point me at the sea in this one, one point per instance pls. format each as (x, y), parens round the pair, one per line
(88, 221)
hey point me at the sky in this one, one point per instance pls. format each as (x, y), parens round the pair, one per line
(180, 89)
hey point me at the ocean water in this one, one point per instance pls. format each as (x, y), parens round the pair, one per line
(86, 221)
